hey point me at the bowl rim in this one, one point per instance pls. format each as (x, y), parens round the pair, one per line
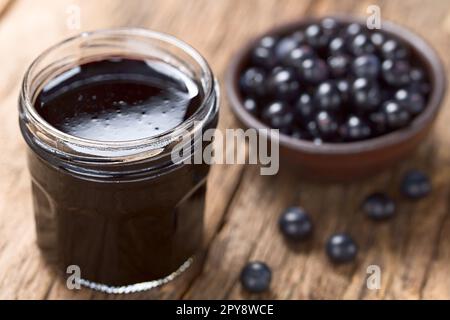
(433, 64)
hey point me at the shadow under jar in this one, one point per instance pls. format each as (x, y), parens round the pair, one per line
(102, 113)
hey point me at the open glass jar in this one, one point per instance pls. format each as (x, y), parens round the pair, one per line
(122, 211)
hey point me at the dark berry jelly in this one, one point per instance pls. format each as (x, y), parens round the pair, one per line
(118, 99)
(108, 196)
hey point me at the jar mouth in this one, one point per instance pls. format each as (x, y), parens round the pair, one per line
(82, 148)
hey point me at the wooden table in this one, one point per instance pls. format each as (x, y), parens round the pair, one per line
(412, 250)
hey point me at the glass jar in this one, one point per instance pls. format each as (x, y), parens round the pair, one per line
(123, 212)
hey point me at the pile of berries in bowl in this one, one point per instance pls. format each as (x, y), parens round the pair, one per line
(347, 100)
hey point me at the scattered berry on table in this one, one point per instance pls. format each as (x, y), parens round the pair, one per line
(256, 277)
(415, 185)
(341, 248)
(295, 224)
(379, 206)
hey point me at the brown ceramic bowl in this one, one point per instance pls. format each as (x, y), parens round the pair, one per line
(348, 161)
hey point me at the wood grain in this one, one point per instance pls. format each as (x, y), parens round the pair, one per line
(412, 250)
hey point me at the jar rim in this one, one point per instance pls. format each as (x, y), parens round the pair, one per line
(146, 143)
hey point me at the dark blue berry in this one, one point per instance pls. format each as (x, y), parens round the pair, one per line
(355, 128)
(344, 87)
(419, 81)
(361, 44)
(341, 248)
(300, 134)
(327, 125)
(412, 101)
(289, 43)
(352, 30)
(336, 46)
(304, 108)
(366, 94)
(338, 65)
(366, 66)
(283, 83)
(278, 115)
(420, 87)
(417, 75)
(263, 54)
(396, 72)
(268, 42)
(314, 70)
(274, 109)
(415, 185)
(251, 105)
(379, 206)
(263, 57)
(378, 122)
(256, 277)
(253, 81)
(327, 97)
(299, 54)
(283, 122)
(312, 130)
(315, 36)
(377, 39)
(329, 26)
(393, 49)
(396, 115)
(295, 224)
